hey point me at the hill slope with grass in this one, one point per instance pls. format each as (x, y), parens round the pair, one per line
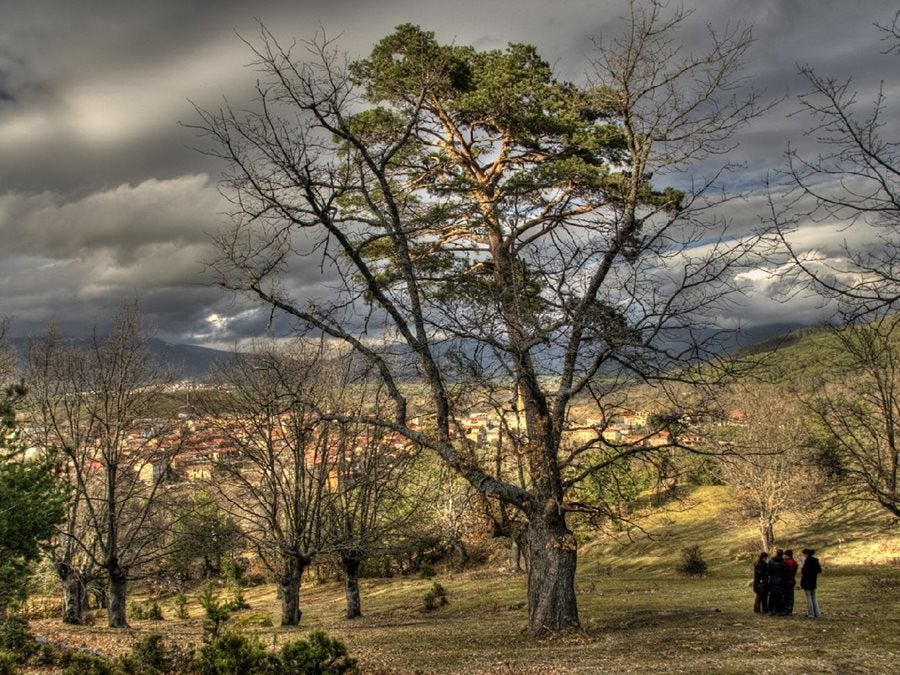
(637, 613)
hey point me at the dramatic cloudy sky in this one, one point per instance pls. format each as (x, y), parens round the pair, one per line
(102, 197)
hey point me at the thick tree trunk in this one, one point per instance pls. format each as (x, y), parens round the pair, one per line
(118, 592)
(351, 564)
(289, 590)
(552, 554)
(74, 594)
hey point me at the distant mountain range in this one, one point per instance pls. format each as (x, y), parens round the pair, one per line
(185, 362)
(190, 362)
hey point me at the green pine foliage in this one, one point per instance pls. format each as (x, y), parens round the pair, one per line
(692, 563)
(436, 597)
(319, 654)
(32, 502)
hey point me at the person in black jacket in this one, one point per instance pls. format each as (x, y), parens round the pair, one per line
(761, 584)
(810, 570)
(777, 576)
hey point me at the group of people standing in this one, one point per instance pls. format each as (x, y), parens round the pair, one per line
(774, 580)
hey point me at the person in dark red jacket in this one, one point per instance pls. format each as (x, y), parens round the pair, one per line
(790, 581)
(810, 570)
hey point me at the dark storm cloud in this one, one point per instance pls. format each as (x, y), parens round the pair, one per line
(103, 198)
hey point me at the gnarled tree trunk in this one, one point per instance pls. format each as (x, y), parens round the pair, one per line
(118, 591)
(351, 563)
(289, 588)
(74, 593)
(552, 552)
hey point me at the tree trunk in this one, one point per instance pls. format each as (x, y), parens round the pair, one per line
(289, 590)
(351, 564)
(514, 556)
(767, 534)
(552, 554)
(118, 591)
(74, 593)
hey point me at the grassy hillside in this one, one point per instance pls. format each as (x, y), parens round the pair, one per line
(805, 356)
(638, 615)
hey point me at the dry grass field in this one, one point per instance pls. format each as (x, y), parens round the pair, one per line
(638, 615)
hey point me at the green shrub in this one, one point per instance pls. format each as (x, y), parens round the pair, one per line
(233, 571)
(82, 663)
(436, 597)
(318, 655)
(692, 563)
(216, 613)
(9, 662)
(427, 571)
(136, 611)
(15, 637)
(232, 653)
(149, 656)
(46, 655)
(237, 600)
(141, 611)
(181, 601)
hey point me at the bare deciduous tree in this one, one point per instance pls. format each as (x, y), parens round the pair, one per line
(276, 485)
(859, 409)
(854, 182)
(768, 459)
(97, 403)
(374, 494)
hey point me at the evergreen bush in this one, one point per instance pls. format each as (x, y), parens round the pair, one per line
(216, 613)
(149, 656)
(16, 638)
(9, 662)
(436, 597)
(231, 653)
(692, 563)
(83, 663)
(181, 601)
(318, 655)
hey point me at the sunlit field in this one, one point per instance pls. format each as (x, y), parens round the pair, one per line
(637, 614)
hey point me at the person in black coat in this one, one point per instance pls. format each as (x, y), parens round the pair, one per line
(761, 584)
(777, 577)
(809, 572)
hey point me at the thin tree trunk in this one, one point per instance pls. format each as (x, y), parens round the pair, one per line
(74, 593)
(351, 564)
(514, 556)
(552, 553)
(118, 592)
(767, 534)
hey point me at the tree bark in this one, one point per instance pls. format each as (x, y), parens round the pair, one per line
(74, 594)
(118, 592)
(552, 553)
(289, 590)
(351, 564)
